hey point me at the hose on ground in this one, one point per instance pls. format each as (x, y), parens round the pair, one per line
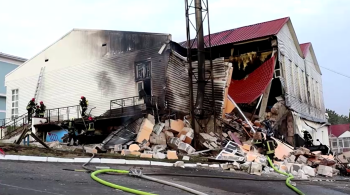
(112, 185)
(138, 173)
(290, 176)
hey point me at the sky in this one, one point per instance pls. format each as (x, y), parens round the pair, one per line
(29, 26)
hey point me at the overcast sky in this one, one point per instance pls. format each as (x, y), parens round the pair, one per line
(29, 26)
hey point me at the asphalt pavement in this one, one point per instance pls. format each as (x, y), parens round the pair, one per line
(36, 178)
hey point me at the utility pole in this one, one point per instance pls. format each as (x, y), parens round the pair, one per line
(201, 58)
(200, 114)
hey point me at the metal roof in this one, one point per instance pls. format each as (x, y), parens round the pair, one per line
(245, 33)
(4, 55)
(338, 130)
(305, 48)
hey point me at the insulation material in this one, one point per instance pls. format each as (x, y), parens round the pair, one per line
(177, 93)
(249, 89)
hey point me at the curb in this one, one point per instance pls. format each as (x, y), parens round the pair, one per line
(98, 161)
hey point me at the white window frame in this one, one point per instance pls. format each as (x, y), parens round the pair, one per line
(14, 103)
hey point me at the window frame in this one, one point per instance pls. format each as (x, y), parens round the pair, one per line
(146, 70)
(14, 103)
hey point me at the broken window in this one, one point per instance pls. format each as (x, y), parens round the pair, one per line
(143, 70)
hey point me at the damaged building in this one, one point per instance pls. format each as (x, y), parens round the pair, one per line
(269, 68)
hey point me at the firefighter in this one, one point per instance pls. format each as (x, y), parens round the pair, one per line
(91, 128)
(258, 140)
(308, 139)
(84, 104)
(42, 109)
(37, 111)
(270, 145)
(72, 133)
(30, 109)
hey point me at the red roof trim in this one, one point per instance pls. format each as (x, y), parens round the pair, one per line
(244, 33)
(305, 48)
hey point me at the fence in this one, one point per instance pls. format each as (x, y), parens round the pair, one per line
(9, 126)
(132, 102)
(63, 113)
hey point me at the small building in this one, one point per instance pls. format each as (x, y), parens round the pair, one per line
(339, 137)
(7, 64)
(101, 65)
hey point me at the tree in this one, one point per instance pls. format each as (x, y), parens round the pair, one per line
(336, 119)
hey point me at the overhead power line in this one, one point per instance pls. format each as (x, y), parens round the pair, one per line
(336, 72)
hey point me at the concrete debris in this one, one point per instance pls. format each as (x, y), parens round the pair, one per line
(302, 159)
(125, 152)
(157, 129)
(175, 126)
(134, 147)
(255, 168)
(158, 148)
(145, 131)
(90, 150)
(171, 155)
(159, 155)
(118, 148)
(302, 174)
(179, 164)
(236, 165)
(187, 158)
(291, 159)
(325, 171)
(309, 171)
(159, 139)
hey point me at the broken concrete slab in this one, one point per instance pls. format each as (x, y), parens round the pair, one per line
(118, 148)
(145, 131)
(246, 147)
(176, 126)
(125, 152)
(255, 168)
(236, 165)
(325, 171)
(90, 150)
(309, 171)
(179, 164)
(206, 137)
(168, 134)
(291, 159)
(134, 147)
(302, 159)
(159, 155)
(186, 158)
(171, 155)
(158, 128)
(251, 156)
(231, 157)
(158, 148)
(158, 139)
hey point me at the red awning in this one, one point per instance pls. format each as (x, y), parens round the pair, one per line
(249, 89)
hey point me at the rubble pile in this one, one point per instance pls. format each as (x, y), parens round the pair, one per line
(165, 140)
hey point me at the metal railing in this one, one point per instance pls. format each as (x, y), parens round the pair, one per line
(63, 113)
(10, 127)
(134, 101)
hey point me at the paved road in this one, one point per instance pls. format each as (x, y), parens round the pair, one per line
(32, 178)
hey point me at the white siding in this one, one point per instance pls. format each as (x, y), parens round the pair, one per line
(295, 70)
(78, 65)
(99, 81)
(345, 134)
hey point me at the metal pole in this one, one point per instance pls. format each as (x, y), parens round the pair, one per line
(58, 114)
(212, 75)
(201, 58)
(189, 60)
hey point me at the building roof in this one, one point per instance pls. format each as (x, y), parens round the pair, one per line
(4, 55)
(235, 35)
(305, 48)
(338, 130)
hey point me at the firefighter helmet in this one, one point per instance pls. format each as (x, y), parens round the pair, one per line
(33, 99)
(41, 102)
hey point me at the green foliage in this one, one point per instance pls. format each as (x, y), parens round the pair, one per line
(336, 119)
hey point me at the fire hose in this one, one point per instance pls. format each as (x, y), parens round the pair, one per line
(290, 176)
(138, 173)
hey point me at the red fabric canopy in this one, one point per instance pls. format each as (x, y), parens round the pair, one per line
(249, 89)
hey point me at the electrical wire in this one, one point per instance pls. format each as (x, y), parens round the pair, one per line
(336, 72)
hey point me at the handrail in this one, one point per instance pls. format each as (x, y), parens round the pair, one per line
(134, 101)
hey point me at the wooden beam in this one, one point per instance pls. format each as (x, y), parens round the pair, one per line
(264, 102)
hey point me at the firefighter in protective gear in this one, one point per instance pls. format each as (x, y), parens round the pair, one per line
(91, 127)
(30, 109)
(37, 111)
(84, 104)
(308, 139)
(258, 140)
(72, 133)
(42, 109)
(270, 145)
